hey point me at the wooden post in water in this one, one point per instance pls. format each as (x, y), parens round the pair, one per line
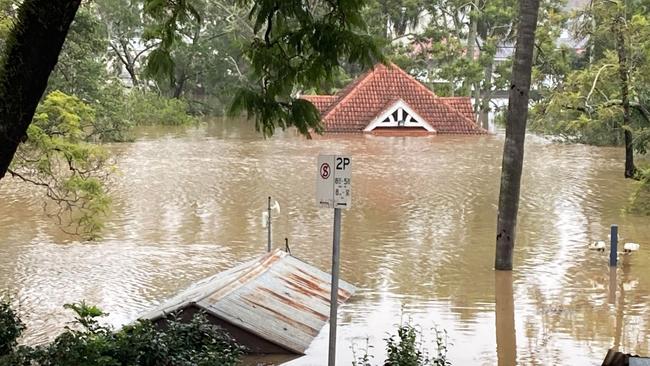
(613, 248)
(268, 248)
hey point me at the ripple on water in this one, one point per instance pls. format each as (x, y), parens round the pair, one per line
(418, 242)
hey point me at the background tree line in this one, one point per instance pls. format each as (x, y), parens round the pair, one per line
(127, 63)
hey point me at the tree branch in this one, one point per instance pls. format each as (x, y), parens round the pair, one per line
(593, 86)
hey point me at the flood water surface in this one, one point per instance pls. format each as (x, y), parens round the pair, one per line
(418, 242)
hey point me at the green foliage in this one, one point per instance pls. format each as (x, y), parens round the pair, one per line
(112, 118)
(10, 328)
(168, 17)
(7, 15)
(81, 70)
(88, 343)
(269, 114)
(640, 200)
(406, 348)
(299, 46)
(144, 109)
(584, 102)
(391, 18)
(58, 157)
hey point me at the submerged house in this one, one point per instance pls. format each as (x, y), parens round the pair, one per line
(274, 304)
(387, 100)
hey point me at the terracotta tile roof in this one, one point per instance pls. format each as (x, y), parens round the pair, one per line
(321, 102)
(354, 107)
(463, 105)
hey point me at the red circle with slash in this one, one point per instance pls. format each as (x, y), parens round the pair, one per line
(325, 171)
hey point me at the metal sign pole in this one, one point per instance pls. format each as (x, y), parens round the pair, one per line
(268, 249)
(334, 190)
(334, 300)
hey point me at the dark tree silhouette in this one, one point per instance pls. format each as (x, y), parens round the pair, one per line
(513, 151)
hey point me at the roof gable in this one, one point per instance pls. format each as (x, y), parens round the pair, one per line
(398, 113)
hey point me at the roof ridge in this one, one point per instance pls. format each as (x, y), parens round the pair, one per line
(422, 86)
(318, 96)
(355, 86)
(263, 266)
(412, 78)
(447, 99)
(444, 102)
(459, 113)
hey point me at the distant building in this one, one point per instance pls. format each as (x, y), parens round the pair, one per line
(387, 100)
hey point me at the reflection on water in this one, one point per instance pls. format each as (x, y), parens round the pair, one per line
(505, 319)
(418, 242)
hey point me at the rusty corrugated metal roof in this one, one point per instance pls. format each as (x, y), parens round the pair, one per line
(277, 297)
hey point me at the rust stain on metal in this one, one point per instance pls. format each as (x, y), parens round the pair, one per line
(315, 280)
(313, 332)
(259, 268)
(305, 287)
(294, 304)
(276, 297)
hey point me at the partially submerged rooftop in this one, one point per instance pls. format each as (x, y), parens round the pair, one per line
(272, 304)
(388, 100)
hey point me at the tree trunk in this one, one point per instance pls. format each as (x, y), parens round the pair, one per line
(477, 98)
(513, 151)
(134, 77)
(630, 168)
(487, 95)
(179, 86)
(31, 52)
(471, 46)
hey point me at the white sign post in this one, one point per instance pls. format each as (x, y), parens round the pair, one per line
(334, 190)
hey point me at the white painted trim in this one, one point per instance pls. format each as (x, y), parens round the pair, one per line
(414, 119)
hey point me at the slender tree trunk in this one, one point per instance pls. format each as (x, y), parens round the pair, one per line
(471, 46)
(513, 151)
(130, 69)
(630, 168)
(592, 46)
(477, 98)
(31, 52)
(179, 86)
(487, 95)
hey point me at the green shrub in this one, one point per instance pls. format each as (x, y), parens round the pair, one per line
(640, 204)
(146, 109)
(88, 343)
(406, 348)
(10, 328)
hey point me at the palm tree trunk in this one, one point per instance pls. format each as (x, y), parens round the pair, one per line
(32, 50)
(513, 152)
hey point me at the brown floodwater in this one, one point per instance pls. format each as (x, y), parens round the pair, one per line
(418, 242)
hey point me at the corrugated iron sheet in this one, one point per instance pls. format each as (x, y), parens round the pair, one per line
(276, 297)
